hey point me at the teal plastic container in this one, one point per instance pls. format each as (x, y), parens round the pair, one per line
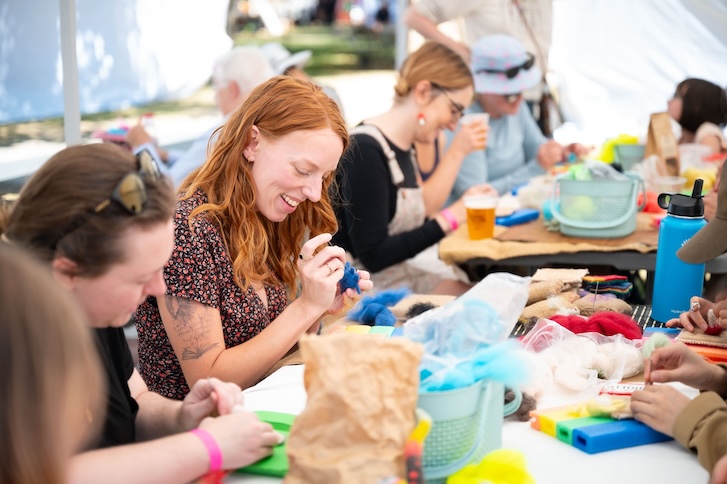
(603, 209)
(466, 425)
(627, 155)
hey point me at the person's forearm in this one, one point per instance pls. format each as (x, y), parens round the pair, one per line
(702, 427)
(178, 458)
(400, 247)
(718, 380)
(158, 416)
(247, 363)
(439, 185)
(428, 29)
(516, 177)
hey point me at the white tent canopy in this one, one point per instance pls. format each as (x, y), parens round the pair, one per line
(615, 61)
(129, 52)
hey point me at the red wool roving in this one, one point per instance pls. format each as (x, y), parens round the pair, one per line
(607, 323)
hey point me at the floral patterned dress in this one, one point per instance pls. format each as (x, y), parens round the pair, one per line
(200, 270)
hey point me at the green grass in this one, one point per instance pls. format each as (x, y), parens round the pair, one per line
(335, 49)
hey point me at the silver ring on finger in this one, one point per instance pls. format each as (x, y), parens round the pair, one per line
(330, 271)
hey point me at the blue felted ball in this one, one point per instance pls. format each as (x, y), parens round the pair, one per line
(376, 314)
(374, 311)
(350, 278)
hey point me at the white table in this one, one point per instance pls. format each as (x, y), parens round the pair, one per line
(549, 461)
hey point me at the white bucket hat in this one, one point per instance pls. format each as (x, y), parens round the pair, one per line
(501, 65)
(281, 59)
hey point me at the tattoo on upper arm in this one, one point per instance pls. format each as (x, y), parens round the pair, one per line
(191, 326)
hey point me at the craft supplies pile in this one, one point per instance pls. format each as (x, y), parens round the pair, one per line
(466, 340)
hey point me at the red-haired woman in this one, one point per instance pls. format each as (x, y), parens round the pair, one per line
(240, 228)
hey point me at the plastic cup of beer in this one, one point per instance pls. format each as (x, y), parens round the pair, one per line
(480, 216)
(472, 117)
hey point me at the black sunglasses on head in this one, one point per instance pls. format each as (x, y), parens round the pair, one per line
(129, 193)
(512, 71)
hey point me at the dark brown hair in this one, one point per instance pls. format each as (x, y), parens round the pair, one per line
(260, 249)
(67, 188)
(702, 102)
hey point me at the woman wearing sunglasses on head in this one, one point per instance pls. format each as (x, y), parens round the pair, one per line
(102, 219)
(51, 379)
(516, 148)
(240, 250)
(387, 218)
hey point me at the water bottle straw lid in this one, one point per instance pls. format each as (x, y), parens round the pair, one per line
(711, 240)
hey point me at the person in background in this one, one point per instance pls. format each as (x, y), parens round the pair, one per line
(383, 217)
(700, 108)
(234, 76)
(516, 150)
(51, 386)
(488, 17)
(285, 63)
(240, 251)
(101, 219)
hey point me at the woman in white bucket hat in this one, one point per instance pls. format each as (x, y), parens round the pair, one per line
(516, 149)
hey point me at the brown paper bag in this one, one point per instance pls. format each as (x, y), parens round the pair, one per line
(662, 143)
(362, 394)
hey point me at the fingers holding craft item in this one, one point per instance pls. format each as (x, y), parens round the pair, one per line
(695, 317)
(321, 267)
(308, 251)
(330, 271)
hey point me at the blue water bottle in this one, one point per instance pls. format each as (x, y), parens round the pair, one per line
(675, 282)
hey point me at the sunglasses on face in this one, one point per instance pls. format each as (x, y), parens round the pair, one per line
(456, 108)
(129, 193)
(512, 71)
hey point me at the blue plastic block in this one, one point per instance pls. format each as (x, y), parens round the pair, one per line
(619, 434)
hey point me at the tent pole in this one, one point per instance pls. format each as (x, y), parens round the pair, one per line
(402, 33)
(71, 102)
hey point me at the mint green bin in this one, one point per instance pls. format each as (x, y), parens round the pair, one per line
(466, 425)
(603, 209)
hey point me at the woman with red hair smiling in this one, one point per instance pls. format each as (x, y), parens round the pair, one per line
(239, 249)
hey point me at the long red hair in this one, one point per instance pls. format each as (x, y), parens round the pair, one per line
(262, 250)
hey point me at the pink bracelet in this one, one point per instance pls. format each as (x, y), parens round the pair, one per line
(450, 218)
(213, 449)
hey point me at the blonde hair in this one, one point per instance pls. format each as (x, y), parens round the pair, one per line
(435, 63)
(260, 249)
(51, 386)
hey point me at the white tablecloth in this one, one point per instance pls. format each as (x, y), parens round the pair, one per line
(549, 461)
